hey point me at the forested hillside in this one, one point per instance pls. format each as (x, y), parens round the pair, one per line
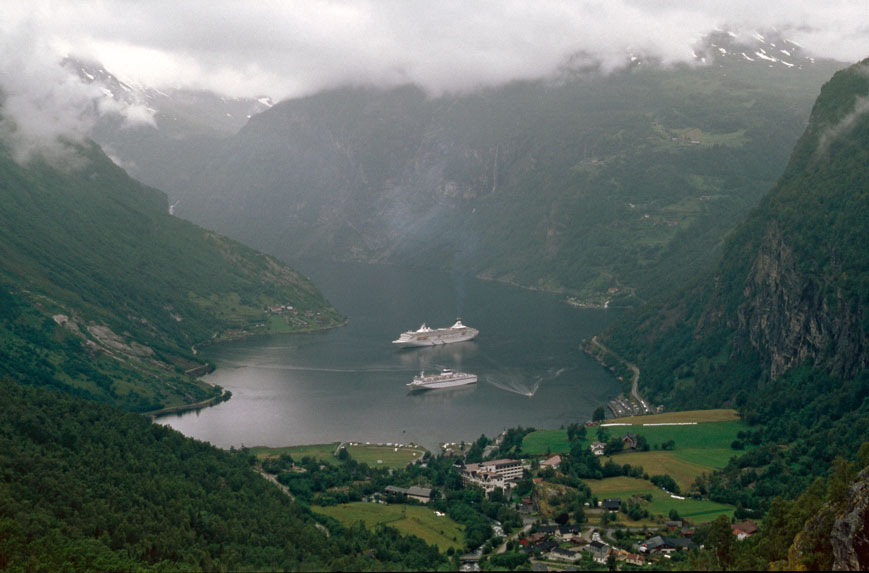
(85, 486)
(779, 327)
(104, 294)
(608, 186)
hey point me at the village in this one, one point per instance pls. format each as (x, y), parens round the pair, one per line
(564, 499)
(553, 543)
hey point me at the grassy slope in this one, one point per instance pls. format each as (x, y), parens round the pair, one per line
(624, 488)
(408, 519)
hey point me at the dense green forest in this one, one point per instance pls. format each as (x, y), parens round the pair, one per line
(86, 486)
(105, 293)
(778, 328)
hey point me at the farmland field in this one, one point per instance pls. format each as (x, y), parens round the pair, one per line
(699, 449)
(698, 511)
(722, 415)
(415, 520)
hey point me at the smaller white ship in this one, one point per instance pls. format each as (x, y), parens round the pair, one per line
(446, 379)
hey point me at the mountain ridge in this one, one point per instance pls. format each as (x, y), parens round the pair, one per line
(105, 293)
(609, 188)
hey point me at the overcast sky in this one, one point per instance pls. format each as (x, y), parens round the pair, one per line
(284, 48)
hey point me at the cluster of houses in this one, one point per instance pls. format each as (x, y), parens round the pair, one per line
(548, 540)
(567, 543)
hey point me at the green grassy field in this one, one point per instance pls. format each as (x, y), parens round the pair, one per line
(373, 455)
(665, 463)
(699, 448)
(541, 441)
(415, 520)
(721, 415)
(392, 457)
(698, 511)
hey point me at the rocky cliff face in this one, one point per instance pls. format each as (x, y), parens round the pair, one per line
(793, 318)
(850, 535)
(839, 530)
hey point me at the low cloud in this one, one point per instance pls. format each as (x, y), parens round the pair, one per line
(843, 127)
(45, 107)
(286, 48)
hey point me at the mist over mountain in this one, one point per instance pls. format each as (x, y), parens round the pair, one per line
(608, 186)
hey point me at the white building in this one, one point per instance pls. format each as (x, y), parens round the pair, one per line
(491, 474)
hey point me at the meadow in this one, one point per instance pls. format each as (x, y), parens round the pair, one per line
(408, 519)
(700, 447)
(541, 441)
(698, 511)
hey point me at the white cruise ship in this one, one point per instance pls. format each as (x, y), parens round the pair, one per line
(426, 336)
(446, 379)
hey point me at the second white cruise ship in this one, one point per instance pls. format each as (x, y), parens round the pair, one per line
(426, 336)
(446, 379)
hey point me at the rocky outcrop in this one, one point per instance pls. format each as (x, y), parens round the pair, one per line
(794, 318)
(850, 535)
(837, 536)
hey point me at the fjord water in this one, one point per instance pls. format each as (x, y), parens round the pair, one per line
(348, 384)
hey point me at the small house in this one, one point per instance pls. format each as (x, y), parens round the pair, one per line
(599, 551)
(612, 504)
(561, 554)
(744, 529)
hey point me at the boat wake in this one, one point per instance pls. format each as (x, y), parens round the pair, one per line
(519, 382)
(514, 382)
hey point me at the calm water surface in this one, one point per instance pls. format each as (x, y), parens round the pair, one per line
(349, 383)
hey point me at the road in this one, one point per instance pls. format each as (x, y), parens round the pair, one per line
(635, 383)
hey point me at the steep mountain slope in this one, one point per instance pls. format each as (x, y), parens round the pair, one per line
(607, 187)
(104, 293)
(779, 327)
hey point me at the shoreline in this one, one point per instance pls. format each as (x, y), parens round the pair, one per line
(569, 299)
(182, 408)
(198, 372)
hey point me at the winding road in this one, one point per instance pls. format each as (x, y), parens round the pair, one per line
(635, 383)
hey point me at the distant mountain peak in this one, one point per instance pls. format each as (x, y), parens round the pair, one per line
(763, 47)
